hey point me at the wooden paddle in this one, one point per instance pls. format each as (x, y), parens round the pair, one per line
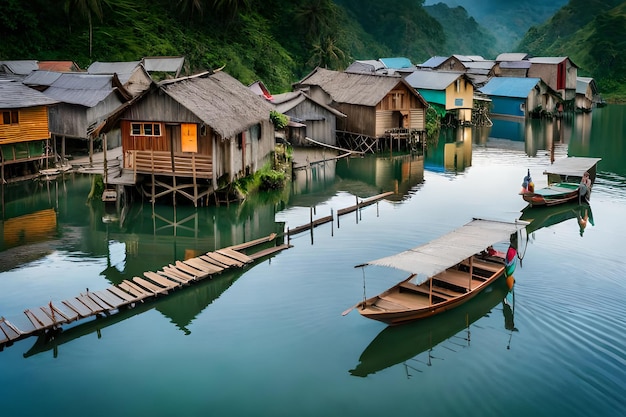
(350, 309)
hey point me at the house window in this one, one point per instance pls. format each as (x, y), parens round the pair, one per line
(10, 117)
(145, 129)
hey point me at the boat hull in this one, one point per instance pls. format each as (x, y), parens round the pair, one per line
(404, 295)
(554, 194)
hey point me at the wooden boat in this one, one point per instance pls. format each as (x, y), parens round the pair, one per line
(564, 182)
(398, 344)
(445, 273)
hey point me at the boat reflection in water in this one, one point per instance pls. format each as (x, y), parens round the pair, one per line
(539, 217)
(400, 344)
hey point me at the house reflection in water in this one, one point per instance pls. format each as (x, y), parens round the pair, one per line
(453, 152)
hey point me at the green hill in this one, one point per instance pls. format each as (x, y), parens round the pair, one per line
(593, 35)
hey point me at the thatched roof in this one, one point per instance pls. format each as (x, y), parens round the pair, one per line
(360, 89)
(220, 101)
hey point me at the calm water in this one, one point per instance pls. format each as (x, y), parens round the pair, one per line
(270, 340)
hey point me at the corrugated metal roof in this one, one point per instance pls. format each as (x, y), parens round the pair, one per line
(41, 77)
(548, 59)
(22, 67)
(517, 87)
(448, 250)
(512, 56)
(58, 66)
(15, 95)
(79, 88)
(164, 64)
(432, 80)
(124, 70)
(515, 64)
(574, 166)
(396, 63)
(359, 89)
(433, 62)
(220, 101)
(365, 67)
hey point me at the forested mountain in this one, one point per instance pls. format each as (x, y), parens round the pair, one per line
(464, 35)
(507, 21)
(593, 34)
(279, 42)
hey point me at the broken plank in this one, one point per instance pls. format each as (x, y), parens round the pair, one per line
(78, 307)
(8, 330)
(203, 266)
(252, 243)
(161, 280)
(93, 305)
(133, 289)
(213, 261)
(223, 259)
(110, 298)
(150, 286)
(122, 294)
(191, 270)
(241, 257)
(39, 319)
(171, 272)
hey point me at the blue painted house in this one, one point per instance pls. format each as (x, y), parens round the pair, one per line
(520, 97)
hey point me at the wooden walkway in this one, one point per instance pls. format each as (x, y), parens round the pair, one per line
(130, 292)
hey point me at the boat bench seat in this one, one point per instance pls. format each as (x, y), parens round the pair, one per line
(424, 290)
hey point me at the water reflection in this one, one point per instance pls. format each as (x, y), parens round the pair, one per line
(540, 217)
(453, 151)
(450, 330)
(180, 308)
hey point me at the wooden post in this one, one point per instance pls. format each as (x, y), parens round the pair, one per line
(106, 167)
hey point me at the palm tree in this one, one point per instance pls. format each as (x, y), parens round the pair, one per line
(86, 8)
(191, 6)
(316, 17)
(327, 54)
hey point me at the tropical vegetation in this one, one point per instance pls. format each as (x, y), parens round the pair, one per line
(279, 42)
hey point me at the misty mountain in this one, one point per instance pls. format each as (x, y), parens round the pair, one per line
(507, 21)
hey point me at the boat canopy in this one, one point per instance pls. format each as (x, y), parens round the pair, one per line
(573, 166)
(448, 250)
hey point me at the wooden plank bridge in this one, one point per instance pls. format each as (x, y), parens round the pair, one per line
(151, 285)
(128, 293)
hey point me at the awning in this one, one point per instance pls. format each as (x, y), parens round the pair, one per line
(574, 166)
(448, 250)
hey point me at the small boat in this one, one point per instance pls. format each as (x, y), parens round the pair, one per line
(400, 344)
(445, 273)
(566, 182)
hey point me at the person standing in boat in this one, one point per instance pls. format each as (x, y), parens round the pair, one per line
(584, 189)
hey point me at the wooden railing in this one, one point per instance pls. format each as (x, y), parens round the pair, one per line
(160, 163)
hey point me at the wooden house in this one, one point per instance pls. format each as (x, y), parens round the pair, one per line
(559, 73)
(587, 94)
(85, 100)
(447, 92)
(132, 75)
(478, 69)
(308, 119)
(520, 97)
(375, 105)
(194, 135)
(24, 130)
(382, 66)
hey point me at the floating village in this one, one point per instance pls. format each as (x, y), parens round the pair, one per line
(150, 131)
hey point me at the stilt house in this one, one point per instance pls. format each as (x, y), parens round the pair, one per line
(375, 105)
(194, 135)
(24, 130)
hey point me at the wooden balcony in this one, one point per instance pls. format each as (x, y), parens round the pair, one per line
(190, 165)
